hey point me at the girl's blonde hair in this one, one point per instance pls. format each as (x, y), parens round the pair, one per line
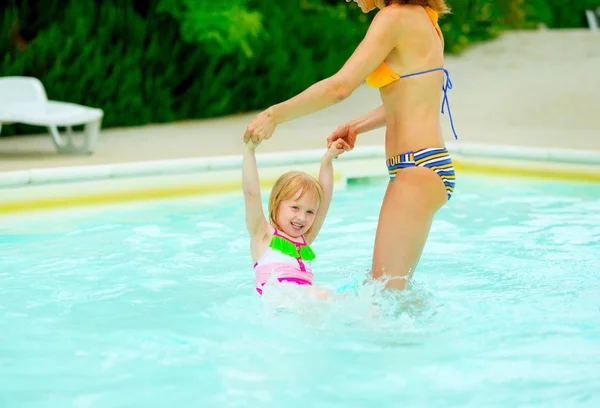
(288, 185)
(439, 6)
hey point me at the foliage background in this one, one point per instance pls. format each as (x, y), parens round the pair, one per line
(167, 60)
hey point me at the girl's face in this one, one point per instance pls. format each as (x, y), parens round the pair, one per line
(296, 215)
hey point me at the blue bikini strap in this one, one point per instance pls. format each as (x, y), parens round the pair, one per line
(445, 87)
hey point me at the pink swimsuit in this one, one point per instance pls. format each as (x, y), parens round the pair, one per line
(288, 260)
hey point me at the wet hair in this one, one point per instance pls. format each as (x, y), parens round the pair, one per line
(439, 6)
(288, 185)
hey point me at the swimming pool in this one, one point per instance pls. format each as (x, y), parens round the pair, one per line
(153, 303)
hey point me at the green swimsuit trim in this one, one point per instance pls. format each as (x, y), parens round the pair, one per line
(301, 251)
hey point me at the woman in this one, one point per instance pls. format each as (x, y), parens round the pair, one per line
(402, 55)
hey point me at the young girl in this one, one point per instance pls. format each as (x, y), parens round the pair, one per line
(297, 208)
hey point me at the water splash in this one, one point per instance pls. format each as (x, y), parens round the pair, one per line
(361, 305)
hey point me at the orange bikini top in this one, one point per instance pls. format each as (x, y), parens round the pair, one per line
(383, 74)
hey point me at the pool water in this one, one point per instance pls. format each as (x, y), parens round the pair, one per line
(153, 303)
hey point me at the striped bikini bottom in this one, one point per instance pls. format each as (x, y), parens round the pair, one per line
(436, 159)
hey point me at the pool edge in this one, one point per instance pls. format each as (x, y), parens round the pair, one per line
(39, 189)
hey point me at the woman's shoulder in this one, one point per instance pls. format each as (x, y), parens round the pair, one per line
(396, 9)
(394, 14)
(403, 18)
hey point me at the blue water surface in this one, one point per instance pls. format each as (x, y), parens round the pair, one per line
(152, 304)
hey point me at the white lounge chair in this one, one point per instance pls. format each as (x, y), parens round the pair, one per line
(24, 100)
(591, 18)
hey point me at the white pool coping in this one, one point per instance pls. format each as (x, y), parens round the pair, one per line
(65, 187)
(40, 176)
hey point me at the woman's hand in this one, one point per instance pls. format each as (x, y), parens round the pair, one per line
(261, 127)
(346, 132)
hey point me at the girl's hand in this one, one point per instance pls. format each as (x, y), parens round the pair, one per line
(251, 145)
(336, 148)
(261, 127)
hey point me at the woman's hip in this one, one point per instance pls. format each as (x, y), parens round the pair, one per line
(437, 159)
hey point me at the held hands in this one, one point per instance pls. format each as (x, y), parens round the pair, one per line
(335, 149)
(261, 127)
(346, 133)
(251, 145)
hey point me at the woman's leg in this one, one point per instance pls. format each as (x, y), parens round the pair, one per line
(407, 212)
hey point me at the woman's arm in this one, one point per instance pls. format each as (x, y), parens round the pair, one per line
(256, 222)
(381, 38)
(349, 130)
(369, 121)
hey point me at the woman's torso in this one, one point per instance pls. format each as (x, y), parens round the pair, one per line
(413, 104)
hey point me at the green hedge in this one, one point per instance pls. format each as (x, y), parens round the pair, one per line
(558, 13)
(167, 60)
